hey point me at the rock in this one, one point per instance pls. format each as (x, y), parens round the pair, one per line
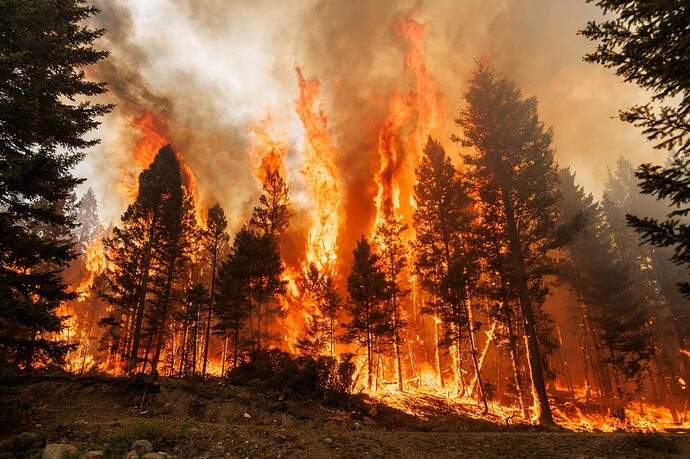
(131, 455)
(247, 415)
(356, 415)
(142, 446)
(328, 440)
(155, 456)
(373, 411)
(59, 451)
(94, 455)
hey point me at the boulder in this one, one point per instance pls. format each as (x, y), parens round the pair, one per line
(60, 451)
(142, 446)
(131, 455)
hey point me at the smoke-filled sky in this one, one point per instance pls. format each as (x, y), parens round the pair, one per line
(212, 68)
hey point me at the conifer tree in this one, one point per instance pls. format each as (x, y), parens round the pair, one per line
(647, 43)
(367, 287)
(609, 313)
(44, 46)
(442, 223)
(87, 221)
(147, 254)
(252, 274)
(393, 257)
(512, 160)
(214, 245)
(273, 215)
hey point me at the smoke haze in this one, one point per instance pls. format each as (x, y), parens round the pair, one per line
(214, 68)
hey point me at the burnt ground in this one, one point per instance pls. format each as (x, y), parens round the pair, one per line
(189, 418)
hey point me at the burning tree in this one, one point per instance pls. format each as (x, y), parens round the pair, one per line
(319, 291)
(147, 256)
(368, 290)
(214, 245)
(42, 130)
(512, 169)
(442, 223)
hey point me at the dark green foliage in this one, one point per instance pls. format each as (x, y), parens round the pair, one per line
(646, 42)
(250, 280)
(671, 183)
(42, 129)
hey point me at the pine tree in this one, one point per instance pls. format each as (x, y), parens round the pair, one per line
(214, 245)
(273, 215)
(367, 287)
(232, 305)
(42, 135)
(442, 224)
(87, 221)
(393, 257)
(513, 161)
(254, 268)
(147, 254)
(610, 314)
(647, 43)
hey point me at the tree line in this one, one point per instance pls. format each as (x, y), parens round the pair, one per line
(489, 241)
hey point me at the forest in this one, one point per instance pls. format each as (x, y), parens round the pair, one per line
(473, 267)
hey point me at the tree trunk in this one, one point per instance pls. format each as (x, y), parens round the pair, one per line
(437, 349)
(533, 354)
(473, 350)
(141, 303)
(210, 307)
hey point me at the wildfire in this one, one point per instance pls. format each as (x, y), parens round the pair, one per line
(95, 264)
(155, 133)
(321, 175)
(267, 151)
(397, 160)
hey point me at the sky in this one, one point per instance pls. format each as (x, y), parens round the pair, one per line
(213, 68)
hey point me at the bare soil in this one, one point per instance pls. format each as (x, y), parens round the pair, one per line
(190, 418)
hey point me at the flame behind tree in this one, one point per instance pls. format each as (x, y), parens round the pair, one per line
(267, 150)
(422, 105)
(322, 177)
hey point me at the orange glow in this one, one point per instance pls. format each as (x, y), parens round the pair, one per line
(95, 264)
(155, 134)
(267, 151)
(398, 159)
(321, 175)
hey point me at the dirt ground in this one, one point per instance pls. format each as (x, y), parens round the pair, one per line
(210, 419)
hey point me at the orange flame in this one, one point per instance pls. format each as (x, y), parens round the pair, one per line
(95, 264)
(321, 175)
(154, 135)
(398, 162)
(267, 150)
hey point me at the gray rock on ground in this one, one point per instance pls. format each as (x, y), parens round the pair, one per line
(142, 446)
(60, 451)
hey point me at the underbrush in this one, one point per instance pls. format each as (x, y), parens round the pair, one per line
(274, 370)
